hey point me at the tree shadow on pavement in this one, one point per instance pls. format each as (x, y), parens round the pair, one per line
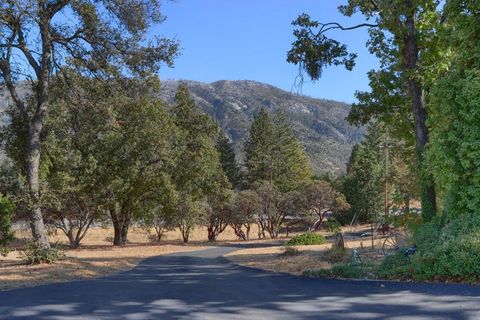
(199, 285)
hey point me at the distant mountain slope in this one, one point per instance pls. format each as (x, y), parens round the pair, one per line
(319, 124)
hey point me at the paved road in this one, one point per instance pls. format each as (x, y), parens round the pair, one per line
(200, 285)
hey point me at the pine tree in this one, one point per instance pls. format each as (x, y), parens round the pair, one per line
(198, 168)
(274, 154)
(363, 185)
(227, 160)
(259, 149)
(291, 163)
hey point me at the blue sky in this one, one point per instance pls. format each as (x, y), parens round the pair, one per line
(248, 39)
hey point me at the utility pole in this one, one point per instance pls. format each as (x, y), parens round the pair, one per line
(386, 180)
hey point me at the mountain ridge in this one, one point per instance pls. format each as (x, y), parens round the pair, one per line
(319, 124)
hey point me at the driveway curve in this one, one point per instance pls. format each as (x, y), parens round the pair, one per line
(203, 285)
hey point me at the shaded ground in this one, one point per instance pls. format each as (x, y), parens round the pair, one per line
(86, 262)
(200, 285)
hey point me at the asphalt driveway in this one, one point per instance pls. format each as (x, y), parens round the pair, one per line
(202, 285)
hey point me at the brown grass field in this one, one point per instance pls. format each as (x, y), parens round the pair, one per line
(309, 258)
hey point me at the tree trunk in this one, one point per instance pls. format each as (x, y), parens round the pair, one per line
(37, 225)
(411, 56)
(185, 234)
(247, 231)
(237, 229)
(212, 235)
(120, 226)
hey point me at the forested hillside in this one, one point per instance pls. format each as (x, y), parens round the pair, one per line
(319, 124)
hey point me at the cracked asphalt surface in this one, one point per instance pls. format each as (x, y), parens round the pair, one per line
(203, 285)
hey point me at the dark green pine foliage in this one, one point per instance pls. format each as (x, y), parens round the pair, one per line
(198, 174)
(228, 162)
(363, 184)
(274, 154)
(259, 149)
(291, 164)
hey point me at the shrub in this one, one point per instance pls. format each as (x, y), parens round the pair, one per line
(446, 251)
(308, 238)
(332, 225)
(6, 211)
(34, 253)
(4, 251)
(336, 255)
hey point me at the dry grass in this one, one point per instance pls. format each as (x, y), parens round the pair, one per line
(96, 257)
(309, 258)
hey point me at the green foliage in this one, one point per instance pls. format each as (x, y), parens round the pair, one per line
(228, 162)
(454, 150)
(259, 149)
(309, 238)
(274, 154)
(446, 251)
(332, 226)
(35, 253)
(363, 185)
(198, 176)
(6, 211)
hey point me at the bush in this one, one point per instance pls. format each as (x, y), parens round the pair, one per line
(336, 255)
(446, 251)
(6, 211)
(34, 253)
(308, 238)
(332, 225)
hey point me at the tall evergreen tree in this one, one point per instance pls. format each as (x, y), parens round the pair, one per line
(363, 187)
(227, 160)
(291, 163)
(198, 167)
(274, 154)
(259, 149)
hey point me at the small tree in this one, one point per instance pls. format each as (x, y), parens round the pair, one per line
(276, 206)
(73, 215)
(320, 197)
(246, 206)
(6, 211)
(218, 208)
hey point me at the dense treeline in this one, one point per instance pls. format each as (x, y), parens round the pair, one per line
(422, 114)
(113, 151)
